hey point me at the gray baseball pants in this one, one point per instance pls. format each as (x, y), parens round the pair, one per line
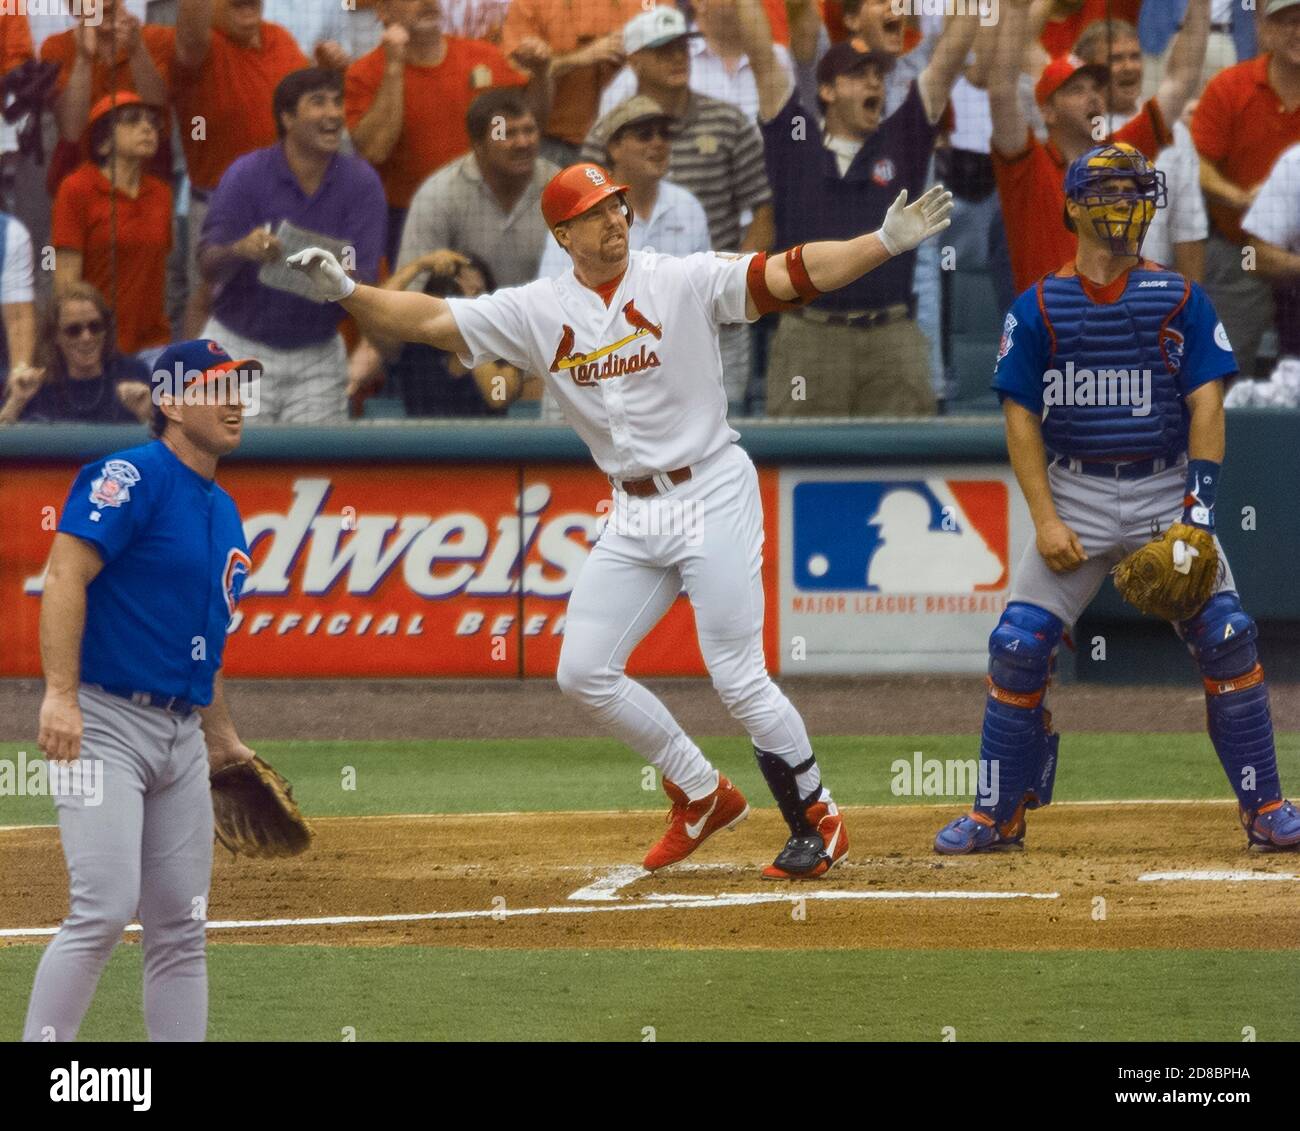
(146, 849)
(1112, 519)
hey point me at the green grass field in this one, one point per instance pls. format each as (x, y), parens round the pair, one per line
(428, 993)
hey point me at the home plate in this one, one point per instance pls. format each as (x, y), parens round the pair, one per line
(1215, 877)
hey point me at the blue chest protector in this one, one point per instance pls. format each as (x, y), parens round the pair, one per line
(1133, 335)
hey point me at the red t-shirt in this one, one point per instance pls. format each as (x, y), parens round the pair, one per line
(1242, 127)
(434, 102)
(15, 42)
(1031, 186)
(83, 221)
(231, 94)
(1059, 36)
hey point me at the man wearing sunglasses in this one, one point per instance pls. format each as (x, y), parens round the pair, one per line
(665, 217)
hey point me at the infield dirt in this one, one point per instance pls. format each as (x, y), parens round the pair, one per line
(366, 866)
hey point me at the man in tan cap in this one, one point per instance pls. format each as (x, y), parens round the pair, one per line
(665, 217)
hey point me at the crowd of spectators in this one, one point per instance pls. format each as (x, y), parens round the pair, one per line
(160, 158)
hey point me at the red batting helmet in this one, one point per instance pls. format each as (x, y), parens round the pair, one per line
(575, 189)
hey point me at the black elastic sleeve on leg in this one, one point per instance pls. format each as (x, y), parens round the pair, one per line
(780, 777)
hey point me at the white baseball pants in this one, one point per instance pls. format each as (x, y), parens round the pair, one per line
(705, 535)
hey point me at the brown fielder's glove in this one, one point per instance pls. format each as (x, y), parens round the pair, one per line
(254, 811)
(1172, 576)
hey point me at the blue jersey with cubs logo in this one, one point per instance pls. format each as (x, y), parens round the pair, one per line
(175, 561)
(1111, 378)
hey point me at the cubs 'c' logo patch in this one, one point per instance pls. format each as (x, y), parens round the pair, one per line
(113, 487)
(1171, 346)
(883, 171)
(238, 566)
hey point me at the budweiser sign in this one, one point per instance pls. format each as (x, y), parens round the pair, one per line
(386, 570)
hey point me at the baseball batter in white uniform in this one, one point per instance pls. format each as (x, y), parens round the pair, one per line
(628, 343)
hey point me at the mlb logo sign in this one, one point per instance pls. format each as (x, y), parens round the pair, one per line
(901, 536)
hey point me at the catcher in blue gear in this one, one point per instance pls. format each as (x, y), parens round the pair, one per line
(1110, 373)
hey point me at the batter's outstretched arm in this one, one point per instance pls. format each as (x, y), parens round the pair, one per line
(407, 316)
(831, 264)
(399, 316)
(73, 565)
(1057, 543)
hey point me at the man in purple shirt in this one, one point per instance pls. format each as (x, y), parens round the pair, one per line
(306, 182)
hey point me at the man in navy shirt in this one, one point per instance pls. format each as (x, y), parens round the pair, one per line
(306, 181)
(856, 351)
(144, 575)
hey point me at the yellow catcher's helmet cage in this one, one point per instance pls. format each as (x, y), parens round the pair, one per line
(1120, 216)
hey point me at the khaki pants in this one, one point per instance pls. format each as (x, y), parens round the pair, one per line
(848, 370)
(1243, 300)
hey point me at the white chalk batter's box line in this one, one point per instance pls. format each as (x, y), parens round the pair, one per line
(601, 897)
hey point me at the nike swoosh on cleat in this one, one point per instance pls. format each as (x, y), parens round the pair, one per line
(830, 848)
(693, 831)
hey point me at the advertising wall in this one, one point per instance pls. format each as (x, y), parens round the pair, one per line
(384, 570)
(899, 569)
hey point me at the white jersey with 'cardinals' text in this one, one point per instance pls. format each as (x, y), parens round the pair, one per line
(640, 380)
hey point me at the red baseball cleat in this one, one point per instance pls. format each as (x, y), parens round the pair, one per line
(807, 857)
(691, 823)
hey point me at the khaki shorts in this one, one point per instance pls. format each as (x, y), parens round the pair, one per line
(848, 370)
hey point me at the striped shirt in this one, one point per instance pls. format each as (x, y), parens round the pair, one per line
(717, 156)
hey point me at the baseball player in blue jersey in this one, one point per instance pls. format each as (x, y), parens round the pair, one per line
(143, 577)
(1111, 376)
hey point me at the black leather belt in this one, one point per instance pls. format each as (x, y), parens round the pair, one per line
(861, 319)
(172, 704)
(1115, 469)
(652, 484)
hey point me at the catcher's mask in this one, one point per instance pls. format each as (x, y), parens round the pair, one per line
(1120, 216)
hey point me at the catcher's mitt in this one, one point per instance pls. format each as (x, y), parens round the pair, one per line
(254, 811)
(1172, 576)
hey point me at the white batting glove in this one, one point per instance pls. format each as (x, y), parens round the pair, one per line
(325, 272)
(907, 225)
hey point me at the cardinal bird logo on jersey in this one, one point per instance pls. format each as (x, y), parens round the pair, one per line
(582, 367)
(238, 566)
(638, 320)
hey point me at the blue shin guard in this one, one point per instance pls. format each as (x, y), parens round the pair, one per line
(1222, 638)
(1017, 748)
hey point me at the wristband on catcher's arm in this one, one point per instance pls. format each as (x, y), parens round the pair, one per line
(1198, 499)
(764, 299)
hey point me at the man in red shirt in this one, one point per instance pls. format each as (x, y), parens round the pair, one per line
(1247, 117)
(406, 100)
(15, 42)
(227, 62)
(1070, 93)
(1066, 20)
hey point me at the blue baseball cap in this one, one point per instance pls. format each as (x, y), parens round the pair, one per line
(195, 362)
